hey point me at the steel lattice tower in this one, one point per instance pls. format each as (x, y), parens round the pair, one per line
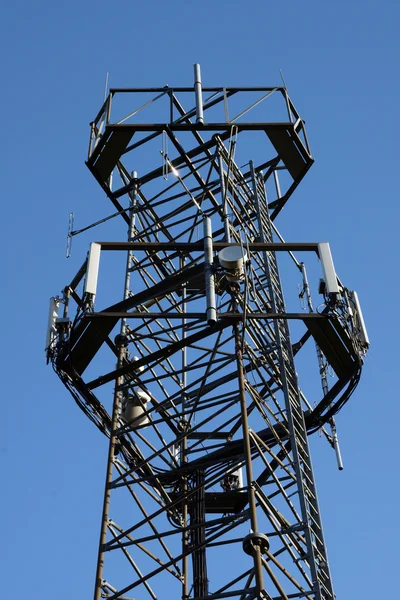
(209, 490)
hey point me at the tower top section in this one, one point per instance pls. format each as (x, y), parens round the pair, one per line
(184, 126)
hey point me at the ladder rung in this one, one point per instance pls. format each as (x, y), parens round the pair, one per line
(315, 534)
(297, 420)
(326, 590)
(310, 495)
(305, 465)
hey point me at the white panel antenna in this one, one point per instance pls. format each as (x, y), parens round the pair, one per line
(92, 271)
(362, 330)
(331, 282)
(51, 325)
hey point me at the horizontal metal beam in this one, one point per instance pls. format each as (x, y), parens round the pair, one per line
(199, 246)
(241, 126)
(166, 88)
(202, 315)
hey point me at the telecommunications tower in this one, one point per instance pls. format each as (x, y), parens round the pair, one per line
(179, 347)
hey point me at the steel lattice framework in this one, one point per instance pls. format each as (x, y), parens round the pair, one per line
(210, 490)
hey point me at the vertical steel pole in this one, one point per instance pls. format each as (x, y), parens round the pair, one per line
(183, 457)
(131, 234)
(115, 412)
(198, 537)
(109, 476)
(247, 456)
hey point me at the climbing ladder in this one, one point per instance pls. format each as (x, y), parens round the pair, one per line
(311, 523)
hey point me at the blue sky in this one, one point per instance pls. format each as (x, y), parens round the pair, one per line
(341, 63)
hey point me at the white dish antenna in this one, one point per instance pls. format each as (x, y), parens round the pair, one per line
(232, 259)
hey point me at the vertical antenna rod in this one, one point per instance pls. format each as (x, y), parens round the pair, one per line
(199, 95)
(210, 285)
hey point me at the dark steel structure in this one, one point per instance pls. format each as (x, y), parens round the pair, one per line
(191, 373)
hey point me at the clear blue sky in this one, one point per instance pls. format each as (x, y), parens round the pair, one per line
(341, 64)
